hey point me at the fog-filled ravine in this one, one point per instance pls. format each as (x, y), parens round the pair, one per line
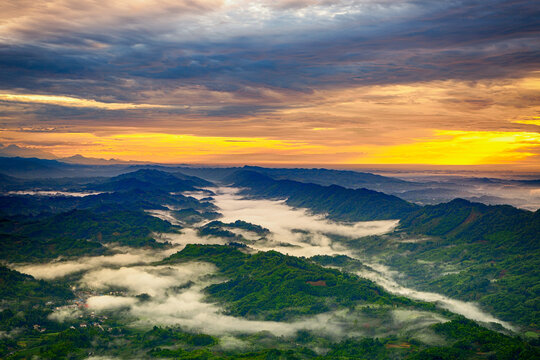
(155, 264)
(292, 231)
(282, 220)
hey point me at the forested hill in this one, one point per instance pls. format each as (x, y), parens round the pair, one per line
(14, 285)
(492, 252)
(138, 190)
(77, 233)
(273, 286)
(469, 221)
(151, 179)
(346, 178)
(338, 202)
(457, 219)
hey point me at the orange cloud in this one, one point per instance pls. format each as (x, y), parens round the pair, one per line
(440, 122)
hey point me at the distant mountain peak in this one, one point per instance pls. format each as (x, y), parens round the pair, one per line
(80, 159)
(13, 150)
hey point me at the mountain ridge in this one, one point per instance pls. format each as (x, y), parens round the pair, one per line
(337, 202)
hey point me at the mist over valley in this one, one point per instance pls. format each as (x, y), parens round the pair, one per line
(250, 257)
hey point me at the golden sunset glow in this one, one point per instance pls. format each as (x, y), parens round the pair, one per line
(442, 148)
(161, 147)
(271, 82)
(418, 123)
(533, 121)
(461, 148)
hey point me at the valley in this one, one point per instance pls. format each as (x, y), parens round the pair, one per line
(170, 258)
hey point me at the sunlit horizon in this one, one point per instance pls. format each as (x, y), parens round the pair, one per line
(273, 82)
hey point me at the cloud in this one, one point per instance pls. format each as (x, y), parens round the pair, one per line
(282, 220)
(190, 236)
(60, 268)
(269, 69)
(152, 280)
(67, 101)
(172, 304)
(462, 148)
(108, 302)
(145, 146)
(41, 18)
(385, 278)
(298, 45)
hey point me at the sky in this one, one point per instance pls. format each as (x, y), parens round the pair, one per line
(284, 82)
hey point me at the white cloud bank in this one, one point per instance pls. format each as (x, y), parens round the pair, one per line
(172, 304)
(282, 220)
(61, 268)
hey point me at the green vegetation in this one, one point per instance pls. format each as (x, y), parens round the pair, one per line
(215, 229)
(487, 254)
(321, 176)
(506, 285)
(220, 229)
(134, 199)
(78, 232)
(466, 340)
(273, 286)
(294, 283)
(139, 190)
(338, 202)
(469, 340)
(501, 225)
(191, 216)
(494, 251)
(22, 300)
(22, 249)
(15, 286)
(474, 252)
(342, 261)
(244, 225)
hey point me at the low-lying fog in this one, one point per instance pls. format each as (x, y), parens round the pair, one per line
(282, 221)
(54, 193)
(124, 257)
(383, 276)
(492, 188)
(175, 292)
(176, 298)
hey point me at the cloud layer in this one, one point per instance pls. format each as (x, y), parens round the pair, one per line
(282, 221)
(271, 69)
